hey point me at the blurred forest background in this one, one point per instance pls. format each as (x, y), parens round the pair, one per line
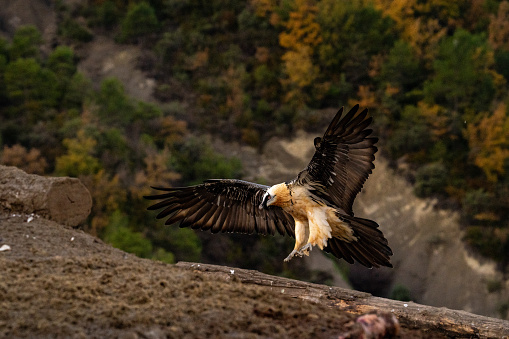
(434, 75)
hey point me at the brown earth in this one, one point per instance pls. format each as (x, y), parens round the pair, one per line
(60, 282)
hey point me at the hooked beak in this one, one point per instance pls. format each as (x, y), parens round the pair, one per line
(263, 205)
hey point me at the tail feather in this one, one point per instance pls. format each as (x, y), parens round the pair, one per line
(370, 249)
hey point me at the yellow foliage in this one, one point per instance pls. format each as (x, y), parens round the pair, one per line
(172, 130)
(262, 54)
(301, 36)
(375, 65)
(438, 118)
(404, 11)
(78, 159)
(422, 32)
(424, 36)
(263, 7)
(198, 60)
(489, 142)
(302, 28)
(367, 98)
(391, 90)
(487, 216)
(320, 89)
(296, 97)
(235, 99)
(299, 67)
(30, 162)
(499, 27)
(155, 173)
(449, 9)
(107, 195)
(498, 81)
(275, 19)
(398, 10)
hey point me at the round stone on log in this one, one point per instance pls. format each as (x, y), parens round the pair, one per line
(61, 199)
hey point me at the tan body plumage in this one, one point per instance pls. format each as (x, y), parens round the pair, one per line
(315, 222)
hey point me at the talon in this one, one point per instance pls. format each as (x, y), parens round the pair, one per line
(306, 249)
(290, 256)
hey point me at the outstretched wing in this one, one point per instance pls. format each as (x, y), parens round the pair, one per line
(222, 205)
(343, 159)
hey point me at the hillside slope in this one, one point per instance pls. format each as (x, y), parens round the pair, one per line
(57, 280)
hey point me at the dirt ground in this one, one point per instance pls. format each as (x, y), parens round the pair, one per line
(63, 283)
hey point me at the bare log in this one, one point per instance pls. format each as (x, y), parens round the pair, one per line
(61, 199)
(451, 322)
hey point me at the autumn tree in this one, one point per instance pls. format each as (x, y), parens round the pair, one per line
(489, 143)
(108, 196)
(499, 38)
(499, 27)
(300, 38)
(79, 159)
(155, 172)
(169, 131)
(424, 23)
(30, 161)
(236, 105)
(263, 7)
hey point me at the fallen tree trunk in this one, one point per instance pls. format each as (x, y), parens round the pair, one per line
(451, 322)
(61, 199)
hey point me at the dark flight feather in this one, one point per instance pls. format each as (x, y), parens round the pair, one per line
(343, 159)
(225, 205)
(370, 249)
